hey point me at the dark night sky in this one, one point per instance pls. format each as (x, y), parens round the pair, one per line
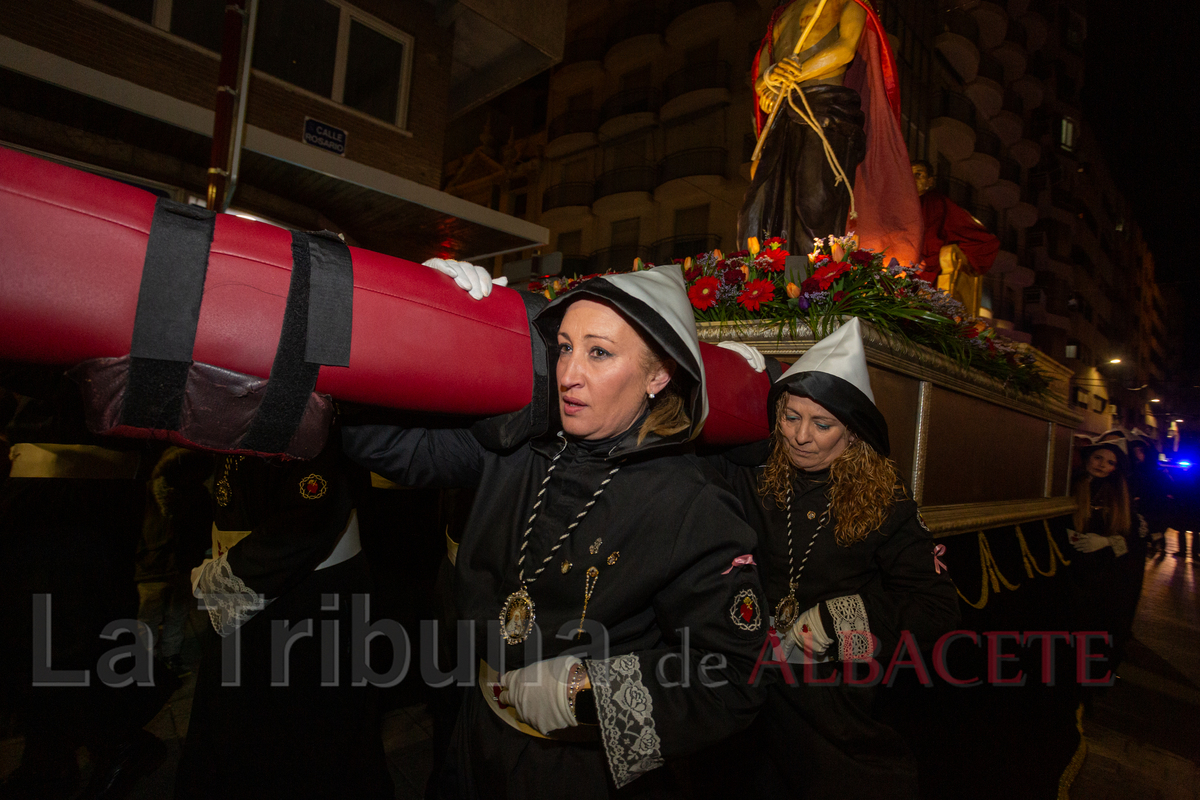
(1141, 92)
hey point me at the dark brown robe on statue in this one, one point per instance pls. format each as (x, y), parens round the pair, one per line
(793, 195)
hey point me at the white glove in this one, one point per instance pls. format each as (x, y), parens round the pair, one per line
(747, 352)
(808, 632)
(476, 280)
(1089, 542)
(538, 692)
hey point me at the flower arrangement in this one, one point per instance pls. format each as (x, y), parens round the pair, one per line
(841, 280)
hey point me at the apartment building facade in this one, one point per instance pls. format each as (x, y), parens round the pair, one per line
(345, 109)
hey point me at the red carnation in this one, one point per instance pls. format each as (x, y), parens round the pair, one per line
(755, 294)
(837, 296)
(703, 293)
(861, 256)
(693, 273)
(734, 276)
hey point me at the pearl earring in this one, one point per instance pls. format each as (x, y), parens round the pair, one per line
(651, 395)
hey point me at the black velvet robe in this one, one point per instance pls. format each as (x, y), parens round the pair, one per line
(827, 741)
(792, 194)
(674, 531)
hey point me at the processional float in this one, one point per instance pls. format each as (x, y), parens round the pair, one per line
(169, 311)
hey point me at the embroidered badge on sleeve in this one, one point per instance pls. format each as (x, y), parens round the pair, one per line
(745, 611)
(313, 487)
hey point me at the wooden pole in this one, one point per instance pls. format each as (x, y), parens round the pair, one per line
(227, 96)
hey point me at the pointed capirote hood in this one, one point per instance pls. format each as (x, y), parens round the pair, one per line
(834, 373)
(656, 301)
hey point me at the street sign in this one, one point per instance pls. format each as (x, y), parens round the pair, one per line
(325, 136)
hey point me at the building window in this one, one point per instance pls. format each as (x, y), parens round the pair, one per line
(297, 41)
(374, 69)
(1066, 134)
(1072, 351)
(329, 48)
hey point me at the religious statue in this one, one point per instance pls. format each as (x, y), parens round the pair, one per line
(958, 250)
(830, 150)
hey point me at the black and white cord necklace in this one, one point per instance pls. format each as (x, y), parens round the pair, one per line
(788, 609)
(518, 612)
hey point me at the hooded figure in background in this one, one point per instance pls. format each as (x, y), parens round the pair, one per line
(602, 563)
(848, 567)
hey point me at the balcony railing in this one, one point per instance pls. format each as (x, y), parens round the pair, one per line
(627, 179)
(990, 67)
(954, 105)
(619, 258)
(700, 161)
(673, 247)
(957, 190)
(987, 143)
(583, 50)
(631, 101)
(962, 23)
(648, 20)
(1010, 170)
(567, 194)
(708, 75)
(578, 121)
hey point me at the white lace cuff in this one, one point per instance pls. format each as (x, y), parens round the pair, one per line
(626, 713)
(851, 627)
(1119, 545)
(229, 601)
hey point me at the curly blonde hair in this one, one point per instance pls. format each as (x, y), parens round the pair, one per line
(863, 485)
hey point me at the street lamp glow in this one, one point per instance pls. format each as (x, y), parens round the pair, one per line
(1155, 400)
(1114, 361)
(1179, 420)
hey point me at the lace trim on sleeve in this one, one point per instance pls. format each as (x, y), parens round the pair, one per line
(851, 626)
(229, 601)
(626, 713)
(1119, 545)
